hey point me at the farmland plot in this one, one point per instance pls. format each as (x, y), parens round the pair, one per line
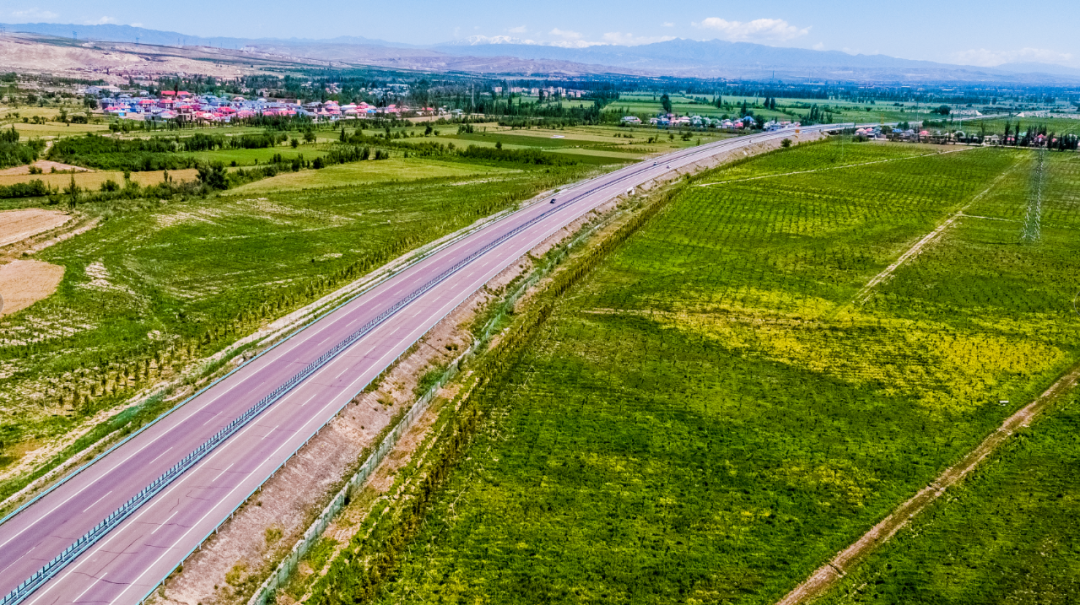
(712, 415)
(1008, 535)
(157, 286)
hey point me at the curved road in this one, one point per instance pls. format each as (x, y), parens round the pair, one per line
(131, 560)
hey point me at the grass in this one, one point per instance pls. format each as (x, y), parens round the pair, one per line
(997, 125)
(396, 169)
(159, 284)
(251, 157)
(648, 104)
(710, 417)
(1008, 535)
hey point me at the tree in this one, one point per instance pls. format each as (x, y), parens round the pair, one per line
(665, 102)
(213, 175)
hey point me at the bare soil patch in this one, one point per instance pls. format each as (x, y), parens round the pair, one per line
(17, 225)
(24, 282)
(93, 179)
(46, 166)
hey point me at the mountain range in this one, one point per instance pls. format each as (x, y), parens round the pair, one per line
(677, 58)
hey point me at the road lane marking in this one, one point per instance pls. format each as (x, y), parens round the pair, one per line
(142, 511)
(96, 501)
(159, 455)
(40, 518)
(308, 400)
(222, 473)
(300, 341)
(165, 523)
(271, 432)
(192, 528)
(94, 583)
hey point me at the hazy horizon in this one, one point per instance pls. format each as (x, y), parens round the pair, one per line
(954, 33)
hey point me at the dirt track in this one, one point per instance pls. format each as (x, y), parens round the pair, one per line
(827, 575)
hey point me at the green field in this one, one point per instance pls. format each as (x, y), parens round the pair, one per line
(398, 169)
(1009, 535)
(721, 407)
(159, 284)
(997, 125)
(649, 104)
(250, 157)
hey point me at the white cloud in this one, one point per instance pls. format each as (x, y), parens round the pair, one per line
(99, 21)
(478, 39)
(773, 30)
(668, 24)
(136, 25)
(569, 39)
(517, 30)
(34, 14)
(989, 58)
(818, 46)
(621, 39)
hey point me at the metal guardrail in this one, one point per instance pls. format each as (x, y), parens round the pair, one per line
(69, 554)
(73, 551)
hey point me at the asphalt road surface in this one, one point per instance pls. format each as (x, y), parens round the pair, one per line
(131, 560)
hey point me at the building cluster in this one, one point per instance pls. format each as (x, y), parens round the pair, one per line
(670, 120)
(185, 106)
(549, 91)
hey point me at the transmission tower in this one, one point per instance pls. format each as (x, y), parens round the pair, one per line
(1033, 221)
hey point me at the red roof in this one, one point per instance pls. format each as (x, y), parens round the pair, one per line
(167, 93)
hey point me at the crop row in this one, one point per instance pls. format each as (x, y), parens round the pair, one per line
(711, 415)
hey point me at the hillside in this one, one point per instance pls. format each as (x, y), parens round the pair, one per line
(679, 57)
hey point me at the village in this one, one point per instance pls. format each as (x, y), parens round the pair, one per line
(180, 105)
(187, 107)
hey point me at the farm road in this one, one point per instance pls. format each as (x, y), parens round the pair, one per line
(829, 574)
(918, 247)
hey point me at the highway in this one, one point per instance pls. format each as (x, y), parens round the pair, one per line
(132, 558)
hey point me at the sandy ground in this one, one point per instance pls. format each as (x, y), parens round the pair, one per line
(46, 167)
(94, 179)
(24, 282)
(114, 62)
(17, 225)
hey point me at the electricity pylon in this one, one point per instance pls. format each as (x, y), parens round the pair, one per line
(1033, 221)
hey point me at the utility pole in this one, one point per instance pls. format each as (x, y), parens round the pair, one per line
(1033, 221)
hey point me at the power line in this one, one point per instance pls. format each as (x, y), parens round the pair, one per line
(1033, 221)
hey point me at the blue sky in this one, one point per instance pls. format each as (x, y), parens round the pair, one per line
(988, 32)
